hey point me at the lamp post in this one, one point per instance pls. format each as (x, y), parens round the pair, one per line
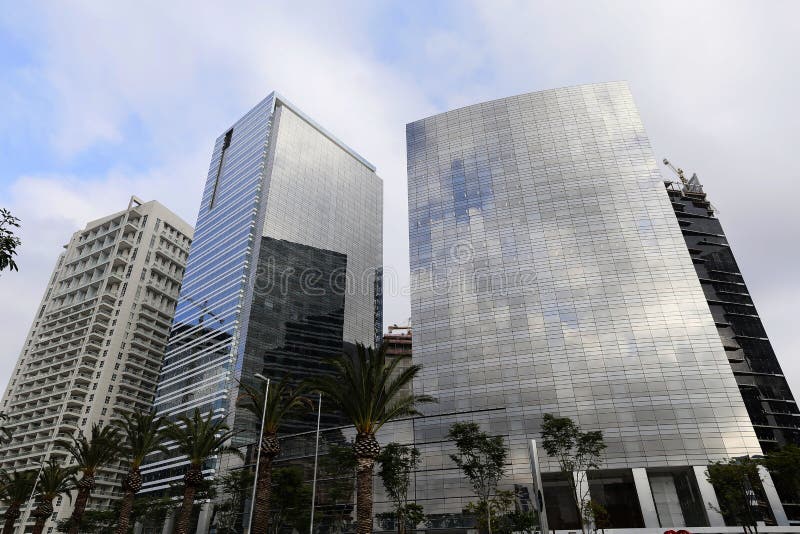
(316, 459)
(27, 513)
(258, 451)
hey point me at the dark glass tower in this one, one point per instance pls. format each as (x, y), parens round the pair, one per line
(770, 404)
(283, 273)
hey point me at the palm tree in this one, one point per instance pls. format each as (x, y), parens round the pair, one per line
(370, 391)
(90, 455)
(142, 434)
(15, 490)
(54, 480)
(281, 400)
(198, 439)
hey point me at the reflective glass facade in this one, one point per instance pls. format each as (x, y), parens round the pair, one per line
(281, 194)
(549, 275)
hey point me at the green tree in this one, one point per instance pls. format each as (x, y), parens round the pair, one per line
(90, 455)
(142, 434)
(152, 511)
(54, 480)
(8, 240)
(100, 521)
(492, 514)
(397, 463)
(482, 459)
(197, 439)
(576, 452)
(371, 391)
(292, 500)
(596, 514)
(738, 487)
(519, 521)
(15, 490)
(784, 466)
(281, 400)
(229, 511)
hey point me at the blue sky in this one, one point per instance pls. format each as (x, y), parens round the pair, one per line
(101, 100)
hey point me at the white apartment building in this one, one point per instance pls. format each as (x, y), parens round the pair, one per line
(97, 341)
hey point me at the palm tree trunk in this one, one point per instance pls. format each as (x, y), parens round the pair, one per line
(263, 495)
(12, 514)
(364, 497)
(124, 521)
(80, 507)
(185, 515)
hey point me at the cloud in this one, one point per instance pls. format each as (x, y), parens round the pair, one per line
(181, 78)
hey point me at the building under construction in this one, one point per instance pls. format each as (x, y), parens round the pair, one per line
(769, 401)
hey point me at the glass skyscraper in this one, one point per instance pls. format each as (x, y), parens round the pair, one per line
(282, 271)
(549, 275)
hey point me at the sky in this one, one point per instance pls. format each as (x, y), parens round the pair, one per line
(103, 100)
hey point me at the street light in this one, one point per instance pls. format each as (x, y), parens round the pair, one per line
(258, 451)
(316, 461)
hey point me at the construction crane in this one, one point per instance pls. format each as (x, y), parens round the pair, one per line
(677, 171)
(690, 187)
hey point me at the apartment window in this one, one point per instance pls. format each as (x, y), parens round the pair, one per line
(225, 144)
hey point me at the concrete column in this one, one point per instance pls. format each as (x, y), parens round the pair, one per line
(708, 495)
(538, 490)
(169, 523)
(772, 497)
(204, 519)
(645, 494)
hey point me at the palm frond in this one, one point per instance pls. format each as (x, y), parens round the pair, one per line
(368, 388)
(281, 400)
(198, 438)
(142, 434)
(92, 453)
(55, 479)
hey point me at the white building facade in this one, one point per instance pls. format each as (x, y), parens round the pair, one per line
(97, 342)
